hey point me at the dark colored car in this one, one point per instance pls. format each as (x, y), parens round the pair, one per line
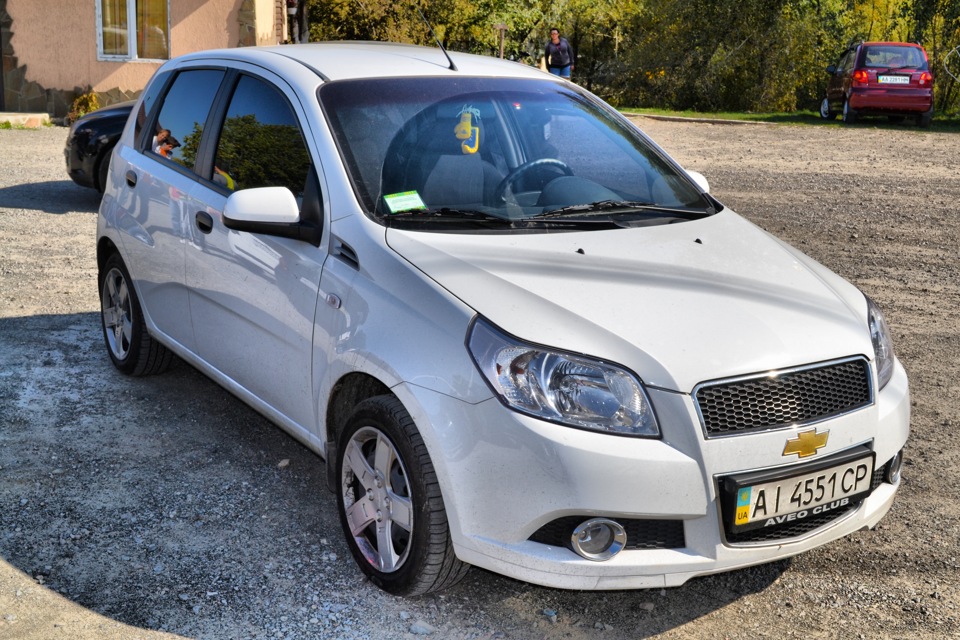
(880, 79)
(91, 141)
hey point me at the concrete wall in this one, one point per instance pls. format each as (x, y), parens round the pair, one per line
(50, 49)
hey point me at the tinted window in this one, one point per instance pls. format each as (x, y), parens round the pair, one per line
(184, 112)
(846, 65)
(260, 143)
(895, 57)
(149, 99)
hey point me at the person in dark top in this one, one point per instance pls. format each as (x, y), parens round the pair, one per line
(559, 55)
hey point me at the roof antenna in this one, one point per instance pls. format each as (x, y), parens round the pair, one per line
(452, 66)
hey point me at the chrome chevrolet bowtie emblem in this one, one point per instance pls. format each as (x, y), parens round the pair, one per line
(806, 443)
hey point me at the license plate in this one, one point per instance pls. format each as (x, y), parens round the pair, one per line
(815, 492)
(893, 79)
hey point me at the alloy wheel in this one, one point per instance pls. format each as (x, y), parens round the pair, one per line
(377, 499)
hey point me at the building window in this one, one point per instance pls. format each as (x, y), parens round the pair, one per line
(133, 29)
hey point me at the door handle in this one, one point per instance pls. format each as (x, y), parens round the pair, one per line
(131, 178)
(204, 222)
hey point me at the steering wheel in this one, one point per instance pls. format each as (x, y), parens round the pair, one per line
(500, 192)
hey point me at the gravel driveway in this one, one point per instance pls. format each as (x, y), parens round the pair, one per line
(164, 508)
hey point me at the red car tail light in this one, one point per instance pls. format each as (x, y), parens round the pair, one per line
(860, 78)
(926, 78)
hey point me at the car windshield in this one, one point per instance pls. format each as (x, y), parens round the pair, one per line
(894, 57)
(500, 153)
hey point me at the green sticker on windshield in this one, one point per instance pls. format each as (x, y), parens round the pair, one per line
(406, 201)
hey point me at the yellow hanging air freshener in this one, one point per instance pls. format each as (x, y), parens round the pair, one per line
(468, 134)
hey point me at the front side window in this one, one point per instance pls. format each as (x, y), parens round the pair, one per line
(260, 143)
(133, 29)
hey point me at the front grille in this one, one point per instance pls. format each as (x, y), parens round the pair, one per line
(802, 527)
(641, 534)
(783, 398)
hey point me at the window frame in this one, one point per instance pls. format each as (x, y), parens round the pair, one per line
(132, 35)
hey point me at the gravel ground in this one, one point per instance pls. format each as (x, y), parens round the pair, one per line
(164, 508)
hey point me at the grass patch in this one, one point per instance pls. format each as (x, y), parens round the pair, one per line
(6, 125)
(949, 123)
(797, 117)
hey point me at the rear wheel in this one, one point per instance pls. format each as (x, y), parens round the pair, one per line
(849, 114)
(924, 119)
(390, 505)
(132, 350)
(825, 111)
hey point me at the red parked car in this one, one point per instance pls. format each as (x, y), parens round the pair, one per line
(882, 79)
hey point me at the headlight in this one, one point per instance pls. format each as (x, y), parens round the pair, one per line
(560, 387)
(882, 344)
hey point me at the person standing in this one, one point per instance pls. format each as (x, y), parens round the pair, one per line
(559, 55)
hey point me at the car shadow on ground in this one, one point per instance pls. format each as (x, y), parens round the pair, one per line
(165, 503)
(55, 196)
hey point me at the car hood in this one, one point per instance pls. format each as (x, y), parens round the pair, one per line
(679, 304)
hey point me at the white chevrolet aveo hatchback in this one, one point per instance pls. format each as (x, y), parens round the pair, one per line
(520, 335)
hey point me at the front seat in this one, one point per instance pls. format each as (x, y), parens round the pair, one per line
(429, 158)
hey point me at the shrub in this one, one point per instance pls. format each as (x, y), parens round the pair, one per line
(83, 104)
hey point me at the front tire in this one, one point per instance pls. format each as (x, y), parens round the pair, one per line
(389, 502)
(131, 348)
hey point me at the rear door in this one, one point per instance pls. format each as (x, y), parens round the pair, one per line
(253, 297)
(153, 197)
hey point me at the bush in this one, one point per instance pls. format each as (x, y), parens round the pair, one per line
(83, 104)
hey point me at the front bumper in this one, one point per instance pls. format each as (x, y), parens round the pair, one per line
(504, 476)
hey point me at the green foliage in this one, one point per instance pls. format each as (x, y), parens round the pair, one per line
(83, 104)
(706, 55)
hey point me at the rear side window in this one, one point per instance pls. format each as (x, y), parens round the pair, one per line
(260, 143)
(846, 64)
(183, 114)
(149, 100)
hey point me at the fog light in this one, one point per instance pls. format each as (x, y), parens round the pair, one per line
(893, 471)
(598, 539)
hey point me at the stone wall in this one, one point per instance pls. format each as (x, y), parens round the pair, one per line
(25, 96)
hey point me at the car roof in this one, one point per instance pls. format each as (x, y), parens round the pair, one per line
(891, 44)
(350, 59)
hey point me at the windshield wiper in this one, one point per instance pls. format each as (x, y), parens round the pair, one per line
(488, 220)
(602, 207)
(445, 214)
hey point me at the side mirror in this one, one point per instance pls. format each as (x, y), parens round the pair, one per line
(701, 181)
(268, 210)
(832, 69)
(272, 205)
